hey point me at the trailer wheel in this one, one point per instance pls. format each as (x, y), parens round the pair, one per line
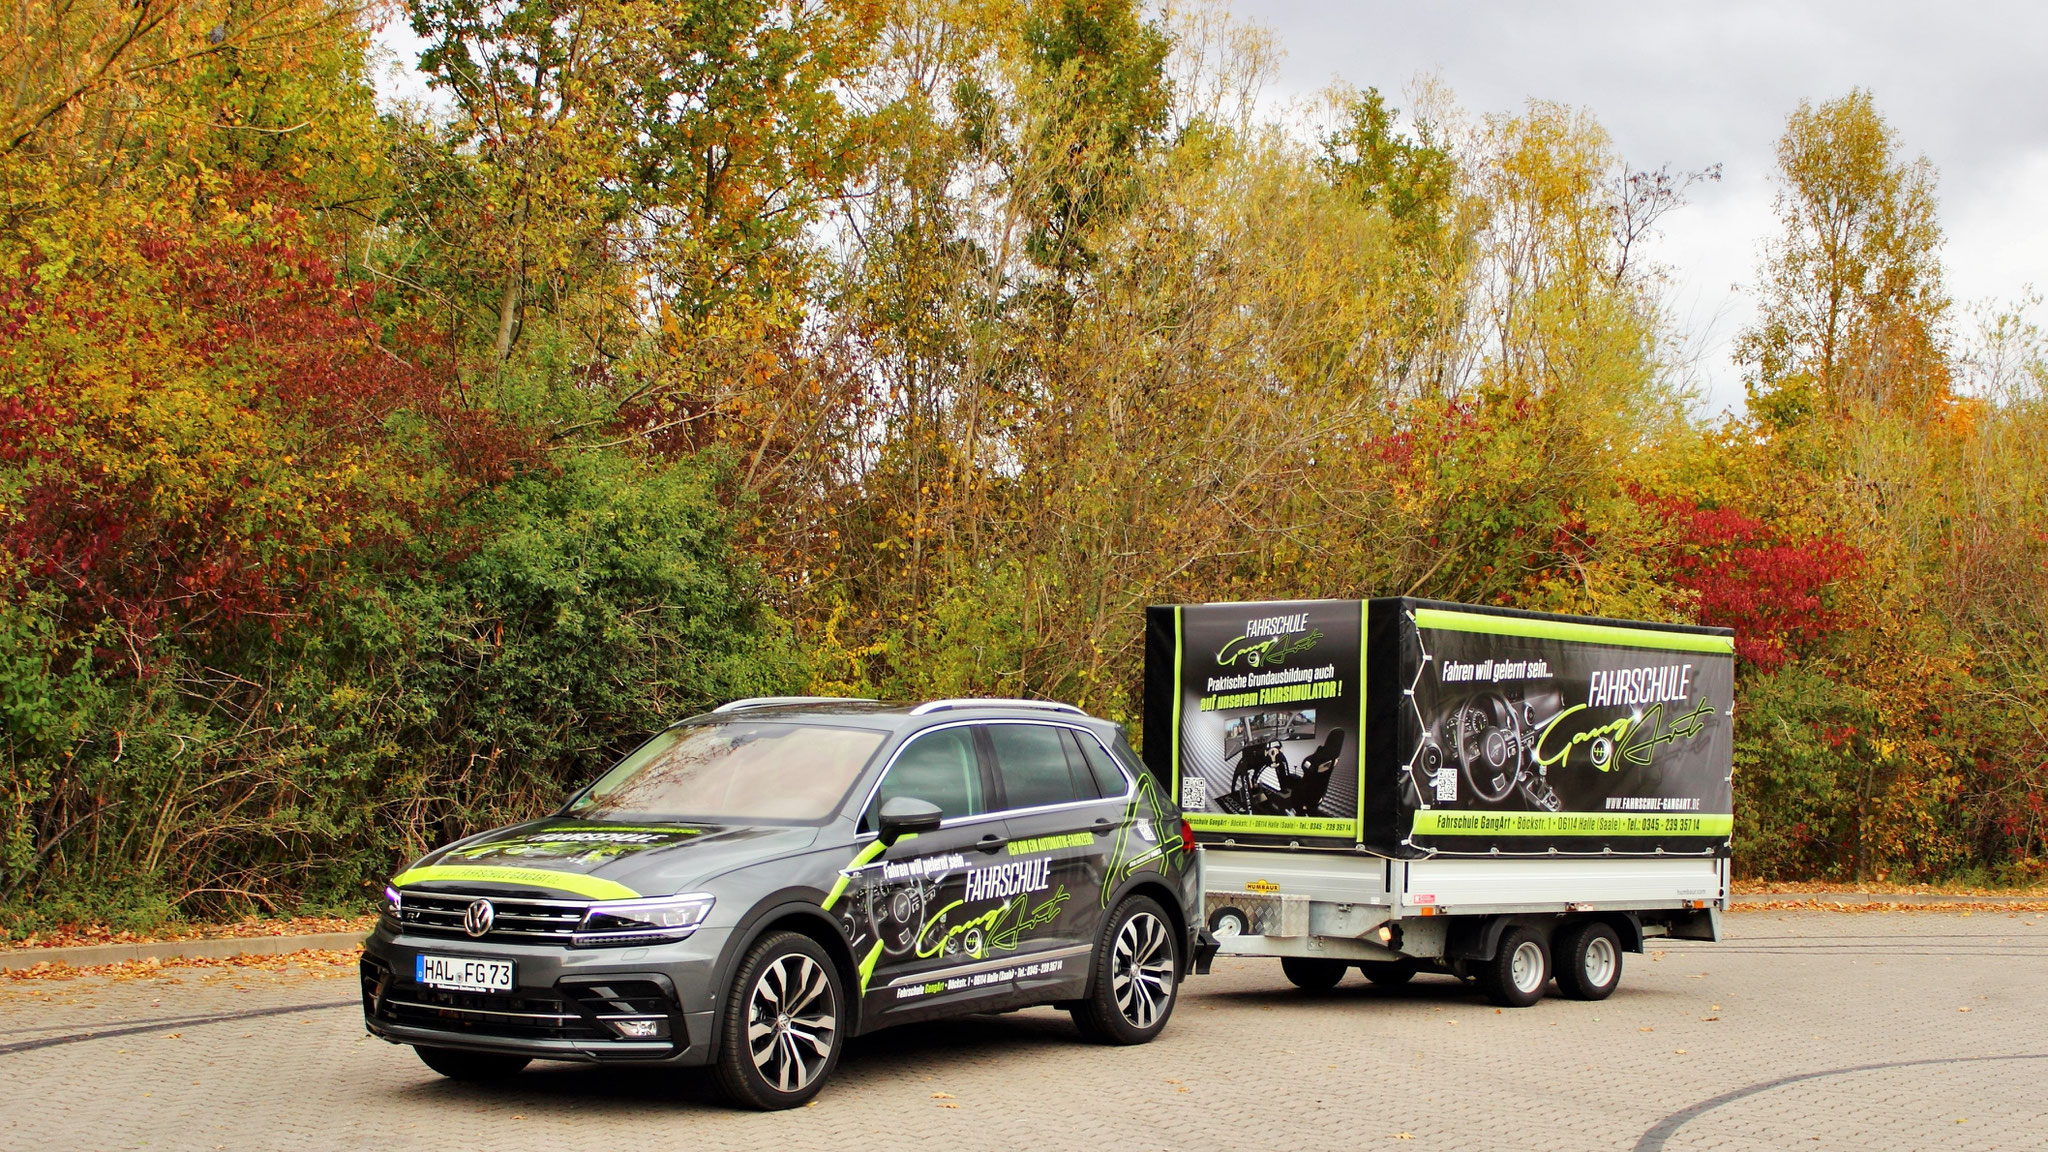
(1228, 922)
(1311, 975)
(1388, 973)
(1588, 961)
(1514, 978)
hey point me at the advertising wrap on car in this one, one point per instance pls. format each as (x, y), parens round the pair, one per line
(1252, 717)
(1482, 731)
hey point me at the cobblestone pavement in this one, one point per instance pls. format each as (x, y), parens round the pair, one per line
(1803, 1030)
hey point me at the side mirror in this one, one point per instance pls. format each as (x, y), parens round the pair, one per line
(906, 816)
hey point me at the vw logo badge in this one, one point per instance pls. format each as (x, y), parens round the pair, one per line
(477, 918)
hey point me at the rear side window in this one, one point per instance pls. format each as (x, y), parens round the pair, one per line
(1108, 781)
(1033, 762)
(939, 768)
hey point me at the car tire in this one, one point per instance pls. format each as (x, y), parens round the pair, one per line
(1587, 958)
(1388, 973)
(1225, 923)
(1312, 975)
(1136, 978)
(471, 1067)
(1514, 978)
(784, 1024)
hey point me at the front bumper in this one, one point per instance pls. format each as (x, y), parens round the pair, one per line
(579, 1004)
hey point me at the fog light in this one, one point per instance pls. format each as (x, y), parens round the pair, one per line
(638, 1029)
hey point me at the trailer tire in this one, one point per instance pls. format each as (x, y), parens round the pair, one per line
(1312, 975)
(1587, 957)
(1520, 967)
(1388, 973)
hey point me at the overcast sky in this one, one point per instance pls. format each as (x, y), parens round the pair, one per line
(1696, 84)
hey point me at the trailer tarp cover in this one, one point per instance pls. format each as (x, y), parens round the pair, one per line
(1414, 728)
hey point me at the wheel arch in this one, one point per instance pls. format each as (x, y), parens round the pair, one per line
(1162, 893)
(793, 910)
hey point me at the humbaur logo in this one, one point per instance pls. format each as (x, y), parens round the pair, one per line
(1269, 640)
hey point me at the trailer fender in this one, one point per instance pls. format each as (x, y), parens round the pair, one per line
(1626, 925)
(1478, 937)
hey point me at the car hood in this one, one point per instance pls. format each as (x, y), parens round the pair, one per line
(601, 860)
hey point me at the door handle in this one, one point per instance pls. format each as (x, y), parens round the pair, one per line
(991, 842)
(1104, 825)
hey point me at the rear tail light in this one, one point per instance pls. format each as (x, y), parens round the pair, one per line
(1187, 837)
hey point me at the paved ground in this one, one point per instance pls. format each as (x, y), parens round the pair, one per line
(1804, 1030)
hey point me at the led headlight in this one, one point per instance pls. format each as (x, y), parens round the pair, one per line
(643, 921)
(391, 906)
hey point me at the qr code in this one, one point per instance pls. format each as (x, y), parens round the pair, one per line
(1194, 793)
(1446, 781)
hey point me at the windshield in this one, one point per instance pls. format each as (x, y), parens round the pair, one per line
(733, 772)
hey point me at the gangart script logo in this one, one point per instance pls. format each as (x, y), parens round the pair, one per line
(1633, 739)
(1260, 651)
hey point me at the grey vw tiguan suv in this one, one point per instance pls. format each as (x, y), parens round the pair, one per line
(754, 886)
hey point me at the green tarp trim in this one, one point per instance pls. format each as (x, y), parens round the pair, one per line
(1272, 825)
(1446, 621)
(1453, 823)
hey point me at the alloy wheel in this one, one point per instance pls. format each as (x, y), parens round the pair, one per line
(1141, 970)
(791, 1022)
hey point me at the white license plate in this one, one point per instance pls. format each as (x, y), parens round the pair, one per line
(463, 972)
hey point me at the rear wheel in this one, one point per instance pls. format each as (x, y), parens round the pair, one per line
(1514, 978)
(474, 1067)
(784, 1022)
(1137, 976)
(1312, 975)
(1388, 973)
(1588, 961)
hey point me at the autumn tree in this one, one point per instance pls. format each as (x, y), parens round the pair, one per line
(1852, 307)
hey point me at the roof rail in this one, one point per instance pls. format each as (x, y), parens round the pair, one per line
(993, 702)
(770, 701)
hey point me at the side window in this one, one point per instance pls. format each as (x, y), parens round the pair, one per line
(939, 768)
(1108, 780)
(1032, 761)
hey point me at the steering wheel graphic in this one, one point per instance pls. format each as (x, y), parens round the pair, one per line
(1487, 743)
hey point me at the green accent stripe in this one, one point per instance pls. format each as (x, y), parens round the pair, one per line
(1174, 762)
(867, 966)
(1304, 826)
(573, 882)
(860, 858)
(1446, 621)
(1490, 824)
(1364, 699)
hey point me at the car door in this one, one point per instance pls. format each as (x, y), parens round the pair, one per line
(1061, 823)
(907, 910)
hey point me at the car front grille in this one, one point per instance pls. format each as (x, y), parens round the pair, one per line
(585, 1011)
(532, 921)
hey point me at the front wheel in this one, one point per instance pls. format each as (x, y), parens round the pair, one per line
(1137, 976)
(1514, 978)
(785, 1018)
(1588, 961)
(474, 1067)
